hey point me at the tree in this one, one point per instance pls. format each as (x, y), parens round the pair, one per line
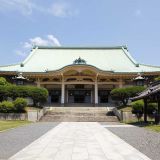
(3, 93)
(123, 94)
(3, 81)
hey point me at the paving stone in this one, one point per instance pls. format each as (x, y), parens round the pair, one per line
(79, 141)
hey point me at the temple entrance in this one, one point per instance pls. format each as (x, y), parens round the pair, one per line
(79, 96)
(103, 96)
(55, 96)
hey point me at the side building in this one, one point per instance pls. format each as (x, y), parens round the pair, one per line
(80, 74)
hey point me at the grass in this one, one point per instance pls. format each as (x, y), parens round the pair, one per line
(125, 108)
(150, 125)
(155, 128)
(4, 125)
(32, 108)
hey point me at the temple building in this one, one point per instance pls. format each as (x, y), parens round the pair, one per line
(80, 74)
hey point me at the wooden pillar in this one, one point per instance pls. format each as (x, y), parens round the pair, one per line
(38, 83)
(96, 91)
(158, 114)
(121, 83)
(62, 91)
(159, 107)
(145, 110)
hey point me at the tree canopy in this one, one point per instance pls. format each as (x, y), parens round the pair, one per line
(123, 94)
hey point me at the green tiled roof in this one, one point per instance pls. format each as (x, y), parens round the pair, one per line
(115, 59)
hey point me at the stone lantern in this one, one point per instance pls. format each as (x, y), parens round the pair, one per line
(19, 80)
(139, 80)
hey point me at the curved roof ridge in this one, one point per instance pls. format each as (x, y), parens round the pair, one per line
(148, 65)
(130, 57)
(88, 65)
(30, 55)
(79, 47)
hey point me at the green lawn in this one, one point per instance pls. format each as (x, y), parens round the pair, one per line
(150, 125)
(125, 108)
(11, 124)
(153, 127)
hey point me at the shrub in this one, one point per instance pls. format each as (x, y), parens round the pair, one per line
(39, 95)
(157, 78)
(123, 94)
(20, 104)
(137, 106)
(3, 81)
(7, 107)
(152, 107)
(3, 93)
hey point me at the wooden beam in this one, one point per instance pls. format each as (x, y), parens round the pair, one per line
(145, 110)
(158, 114)
(159, 107)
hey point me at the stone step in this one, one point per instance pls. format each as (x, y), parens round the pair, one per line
(57, 118)
(79, 109)
(79, 114)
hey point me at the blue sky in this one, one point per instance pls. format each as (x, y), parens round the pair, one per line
(135, 23)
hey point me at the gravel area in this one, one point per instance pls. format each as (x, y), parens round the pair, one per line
(146, 141)
(13, 140)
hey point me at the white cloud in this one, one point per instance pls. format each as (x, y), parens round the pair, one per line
(54, 40)
(61, 9)
(50, 40)
(27, 7)
(23, 6)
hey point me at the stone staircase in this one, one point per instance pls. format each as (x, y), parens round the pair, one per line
(79, 114)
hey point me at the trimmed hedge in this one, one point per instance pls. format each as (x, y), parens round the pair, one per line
(39, 95)
(20, 104)
(157, 78)
(123, 94)
(3, 81)
(137, 107)
(17, 106)
(7, 107)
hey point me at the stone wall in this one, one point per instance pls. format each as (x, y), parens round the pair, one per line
(13, 116)
(31, 115)
(124, 116)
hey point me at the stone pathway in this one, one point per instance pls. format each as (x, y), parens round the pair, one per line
(79, 141)
(14, 140)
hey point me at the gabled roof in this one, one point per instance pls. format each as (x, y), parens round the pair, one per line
(115, 59)
(152, 90)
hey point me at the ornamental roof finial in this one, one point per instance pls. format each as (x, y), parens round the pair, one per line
(79, 61)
